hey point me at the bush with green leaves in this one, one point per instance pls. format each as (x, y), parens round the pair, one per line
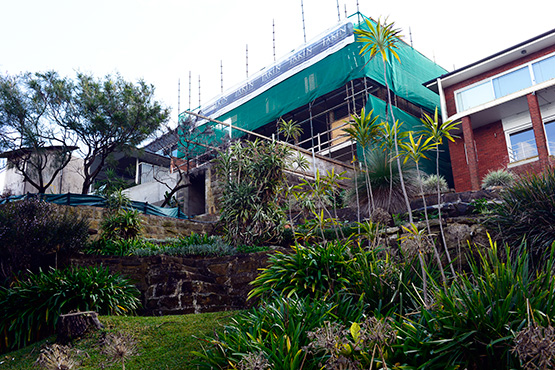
(123, 224)
(29, 309)
(474, 321)
(499, 177)
(321, 270)
(276, 334)
(32, 229)
(314, 270)
(252, 176)
(429, 184)
(527, 210)
(118, 247)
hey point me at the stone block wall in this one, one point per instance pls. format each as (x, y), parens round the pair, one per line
(182, 285)
(156, 227)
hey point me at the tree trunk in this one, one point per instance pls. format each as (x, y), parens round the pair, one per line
(74, 325)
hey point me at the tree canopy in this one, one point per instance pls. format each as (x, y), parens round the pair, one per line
(95, 115)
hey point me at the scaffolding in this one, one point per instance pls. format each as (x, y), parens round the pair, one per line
(320, 85)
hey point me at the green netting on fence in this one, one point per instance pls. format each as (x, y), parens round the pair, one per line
(97, 201)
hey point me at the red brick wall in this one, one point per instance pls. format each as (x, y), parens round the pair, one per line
(449, 91)
(492, 155)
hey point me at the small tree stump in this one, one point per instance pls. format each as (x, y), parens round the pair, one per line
(74, 325)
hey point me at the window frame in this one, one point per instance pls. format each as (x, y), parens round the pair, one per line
(490, 79)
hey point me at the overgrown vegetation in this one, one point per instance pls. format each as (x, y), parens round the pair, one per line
(30, 307)
(33, 233)
(527, 211)
(252, 176)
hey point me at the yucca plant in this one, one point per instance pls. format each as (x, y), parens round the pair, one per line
(29, 309)
(252, 175)
(431, 182)
(499, 177)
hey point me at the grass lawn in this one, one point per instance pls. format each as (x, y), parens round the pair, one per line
(163, 343)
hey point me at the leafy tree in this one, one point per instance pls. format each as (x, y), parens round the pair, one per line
(105, 114)
(37, 149)
(97, 116)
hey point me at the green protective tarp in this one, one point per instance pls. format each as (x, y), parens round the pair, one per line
(97, 201)
(405, 79)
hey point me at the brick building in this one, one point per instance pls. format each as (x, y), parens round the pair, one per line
(505, 105)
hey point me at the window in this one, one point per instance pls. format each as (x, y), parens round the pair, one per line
(512, 82)
(544, 70)
(550, 134)
(474, 96)
(523, 145)
(505, 84)
(146, 172)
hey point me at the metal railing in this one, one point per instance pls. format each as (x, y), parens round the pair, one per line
(523, 150)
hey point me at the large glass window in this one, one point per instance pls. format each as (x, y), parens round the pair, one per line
(544, 70)
(505, 84)
(512, 82)
(474, 96)
(523, 145)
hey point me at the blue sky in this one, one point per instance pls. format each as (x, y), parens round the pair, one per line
(161, 41)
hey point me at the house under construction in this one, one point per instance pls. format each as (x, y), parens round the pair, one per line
(320, 85)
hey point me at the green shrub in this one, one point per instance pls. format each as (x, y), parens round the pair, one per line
(32, 229)
(429, 184)
(194, 245)
(29, 309)
(252, 176)
(473, 322)
(386, 183)
(527, 211)
(118, 247)
(499, 177)
(123, 224)
(316, 270)
(276, 333)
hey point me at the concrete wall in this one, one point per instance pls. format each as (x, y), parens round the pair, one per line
(153, 191)
(68, 180)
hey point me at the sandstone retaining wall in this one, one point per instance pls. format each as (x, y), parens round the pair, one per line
(156, 227)
(182, 285)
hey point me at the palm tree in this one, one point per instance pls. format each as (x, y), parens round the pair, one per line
(290, 130)
(388, 133)
(363, 131)
(382, 39)
(437, 131)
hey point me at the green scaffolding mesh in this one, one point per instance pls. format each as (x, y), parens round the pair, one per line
(405, 79)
